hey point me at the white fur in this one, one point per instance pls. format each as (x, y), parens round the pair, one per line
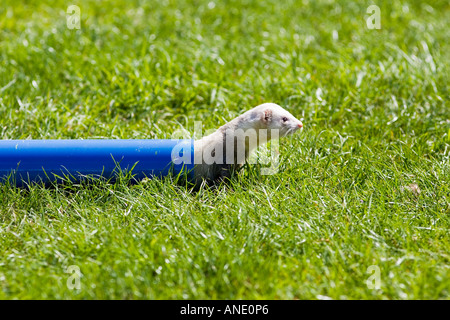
(259, 122)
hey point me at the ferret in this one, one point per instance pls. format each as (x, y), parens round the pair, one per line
(219, 154)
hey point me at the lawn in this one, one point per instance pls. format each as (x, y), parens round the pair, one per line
(359, 207)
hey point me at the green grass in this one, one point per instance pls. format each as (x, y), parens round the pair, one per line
(375, 105)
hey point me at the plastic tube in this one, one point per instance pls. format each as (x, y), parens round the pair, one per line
(26, 161)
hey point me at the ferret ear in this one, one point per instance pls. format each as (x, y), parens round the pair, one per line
(267, 116)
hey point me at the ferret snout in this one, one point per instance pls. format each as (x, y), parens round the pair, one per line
(297, 125)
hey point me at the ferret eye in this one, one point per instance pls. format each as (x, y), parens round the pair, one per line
(284, 119)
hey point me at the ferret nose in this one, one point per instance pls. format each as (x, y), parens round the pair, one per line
(300, 125)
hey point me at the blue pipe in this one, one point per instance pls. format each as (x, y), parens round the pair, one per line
(26, 161)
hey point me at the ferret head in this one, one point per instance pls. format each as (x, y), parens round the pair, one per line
(273, 116)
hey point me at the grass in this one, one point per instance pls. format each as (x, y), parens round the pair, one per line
(375, 105)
